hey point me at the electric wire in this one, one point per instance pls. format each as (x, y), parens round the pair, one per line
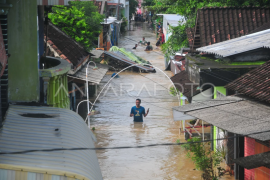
(127, 147)
(197, 101)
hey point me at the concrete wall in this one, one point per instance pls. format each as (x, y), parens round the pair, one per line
(23, 83)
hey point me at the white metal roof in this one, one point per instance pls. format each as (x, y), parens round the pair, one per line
(64, 129)
(239, 45)
(173, 19)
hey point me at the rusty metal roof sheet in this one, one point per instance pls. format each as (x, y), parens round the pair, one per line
(239, 45)
(255, 83)
(217, 24)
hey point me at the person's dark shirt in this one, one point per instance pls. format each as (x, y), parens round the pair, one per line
(134, 47)
(149, 48)
(138, 113)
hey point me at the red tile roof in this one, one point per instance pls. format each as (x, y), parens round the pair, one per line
(65, 46)
(261, 28)
(255, 83)
(220, 24)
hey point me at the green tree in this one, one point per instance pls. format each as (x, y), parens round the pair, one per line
(80, 20)
(148, 3)
(133, 4)
(204, 159)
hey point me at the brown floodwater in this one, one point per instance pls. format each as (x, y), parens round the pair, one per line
(114, 127)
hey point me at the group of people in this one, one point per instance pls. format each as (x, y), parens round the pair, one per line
(144, 42)
(146, 16)
(161, 38)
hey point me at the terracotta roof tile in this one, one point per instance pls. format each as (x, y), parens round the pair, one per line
(215, 25)
(65, 46)
(255, 83)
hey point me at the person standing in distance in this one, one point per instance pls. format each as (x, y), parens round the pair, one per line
(138, 112)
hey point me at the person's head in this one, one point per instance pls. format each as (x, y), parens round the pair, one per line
(159, 23)
(138, 102)
(148, 43)
(143, 38)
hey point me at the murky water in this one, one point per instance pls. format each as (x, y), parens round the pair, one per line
(114, 127)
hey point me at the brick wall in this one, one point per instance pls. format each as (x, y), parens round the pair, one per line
(249, 150)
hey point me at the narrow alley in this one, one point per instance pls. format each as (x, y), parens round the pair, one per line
(114, 127)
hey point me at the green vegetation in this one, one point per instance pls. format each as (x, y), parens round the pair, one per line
(248, 63)
(133, 4)
(123, 24)
(173, 92)
(129, 54)
(80, 20)
(176, 41)
(204, 159)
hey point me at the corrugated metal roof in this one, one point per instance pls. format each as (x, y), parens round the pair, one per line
(207, 104)
(239, 45)
(125, 59)
(96, 53)
(236, 115)
(94, 76)
(65, 129)
(255, 83)
(173, 19)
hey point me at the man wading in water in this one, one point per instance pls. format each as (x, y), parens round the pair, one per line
(138, 111)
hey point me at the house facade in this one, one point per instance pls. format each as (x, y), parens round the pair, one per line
(38, 116)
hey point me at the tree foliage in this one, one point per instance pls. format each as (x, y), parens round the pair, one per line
(133, 4)
(176, 41)
(80, 20)
(204, 159)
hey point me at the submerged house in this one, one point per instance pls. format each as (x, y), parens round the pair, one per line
(245, 118)
(38, 119)
(217, 62)
(255, 85)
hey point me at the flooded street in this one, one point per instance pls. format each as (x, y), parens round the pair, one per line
(114, 127)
